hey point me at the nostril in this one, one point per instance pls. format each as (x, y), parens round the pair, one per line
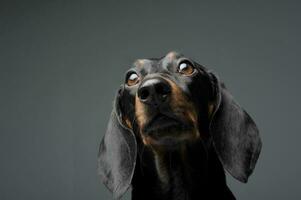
(143, 94)
(162, 89)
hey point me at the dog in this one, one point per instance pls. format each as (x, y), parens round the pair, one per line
(173, 132)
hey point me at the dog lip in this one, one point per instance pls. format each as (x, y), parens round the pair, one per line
(162, 122)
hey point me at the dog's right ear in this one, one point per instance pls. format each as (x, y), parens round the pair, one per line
(117, 153)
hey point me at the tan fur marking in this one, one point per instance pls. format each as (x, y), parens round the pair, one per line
(180, 102)
(171, 55)
(128, 123)
(140, 112)
(139, 62)
(146, 140)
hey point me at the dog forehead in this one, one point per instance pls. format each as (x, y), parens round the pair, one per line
(146, 66)
(155, 65)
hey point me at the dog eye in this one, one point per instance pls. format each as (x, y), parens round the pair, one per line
(185, 68)
(132, 79)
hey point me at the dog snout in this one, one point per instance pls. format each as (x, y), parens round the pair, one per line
(154, 92)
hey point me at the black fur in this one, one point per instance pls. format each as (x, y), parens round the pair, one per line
(191, 169)
(201, 176)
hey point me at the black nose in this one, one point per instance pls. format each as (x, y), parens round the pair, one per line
(154, 91)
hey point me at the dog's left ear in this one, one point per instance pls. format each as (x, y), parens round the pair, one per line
(235, 135)
(117, 154)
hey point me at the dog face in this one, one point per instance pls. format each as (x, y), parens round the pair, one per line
(168, 101)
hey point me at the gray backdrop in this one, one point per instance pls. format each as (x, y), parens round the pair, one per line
(62, 62)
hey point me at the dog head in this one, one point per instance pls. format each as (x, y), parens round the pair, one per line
(166, 102)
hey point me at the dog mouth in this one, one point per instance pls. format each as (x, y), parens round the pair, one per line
(162, 125)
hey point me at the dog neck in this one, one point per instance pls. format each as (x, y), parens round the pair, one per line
(188, 172)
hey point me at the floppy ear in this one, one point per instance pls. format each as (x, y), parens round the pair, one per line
(235, 135)
(117, 155)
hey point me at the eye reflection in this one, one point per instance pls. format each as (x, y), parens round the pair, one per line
(185, 68)
(132, 79)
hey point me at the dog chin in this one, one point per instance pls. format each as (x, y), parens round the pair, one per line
(170, 138)
(166, 141)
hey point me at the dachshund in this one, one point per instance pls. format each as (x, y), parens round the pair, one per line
(173, 132)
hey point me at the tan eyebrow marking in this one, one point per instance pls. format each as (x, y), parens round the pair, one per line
(139, 62)
(171, 55)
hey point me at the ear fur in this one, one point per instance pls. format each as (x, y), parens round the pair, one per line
(117, 155)
(235, 135)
